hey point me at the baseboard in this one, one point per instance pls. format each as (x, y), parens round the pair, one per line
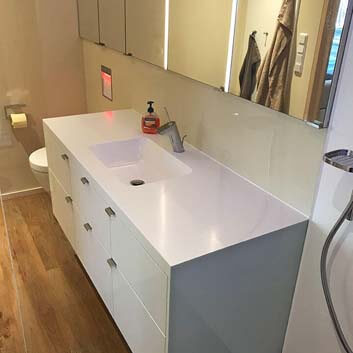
(22, 193)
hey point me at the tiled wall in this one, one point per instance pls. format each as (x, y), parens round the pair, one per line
(280, 154)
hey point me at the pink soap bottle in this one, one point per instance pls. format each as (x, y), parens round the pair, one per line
(150, 122)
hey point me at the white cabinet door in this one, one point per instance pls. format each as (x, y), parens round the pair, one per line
(95, 259)
(136, 325)
(145, 26)
(62, 208)
(88, 20)
(58, 160)
(91, 204)
(140, 270)
(112, 23)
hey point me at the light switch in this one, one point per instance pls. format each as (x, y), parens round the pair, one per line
(301, 49)
(299, 64)
(303, 38)
(107, 82)
(299, 59)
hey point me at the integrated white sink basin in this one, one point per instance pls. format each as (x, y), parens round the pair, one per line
(139, 159)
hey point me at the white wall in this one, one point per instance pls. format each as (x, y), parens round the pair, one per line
(310, 328)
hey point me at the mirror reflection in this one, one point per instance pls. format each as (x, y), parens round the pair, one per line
(282, 54)
(285, 53)
(199, 38)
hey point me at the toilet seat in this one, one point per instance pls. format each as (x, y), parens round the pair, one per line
(38, 160)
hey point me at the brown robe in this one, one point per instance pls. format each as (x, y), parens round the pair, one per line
(272, 75)
(247, 77)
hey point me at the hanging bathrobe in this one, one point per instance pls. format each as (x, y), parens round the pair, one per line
(272, 75)
(247, 77)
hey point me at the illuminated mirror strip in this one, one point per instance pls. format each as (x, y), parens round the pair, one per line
(166, 35)
(231, 46)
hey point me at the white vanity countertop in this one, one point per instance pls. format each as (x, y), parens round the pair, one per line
(182, 218)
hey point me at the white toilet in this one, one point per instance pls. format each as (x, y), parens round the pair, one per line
(39, 165)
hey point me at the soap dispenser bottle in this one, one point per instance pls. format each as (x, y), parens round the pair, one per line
(150, 122)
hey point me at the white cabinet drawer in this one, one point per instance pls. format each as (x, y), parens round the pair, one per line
(136, 325)
(140, 270)
(95, 259)
(91, 204)
(58, 160)
(62, 208)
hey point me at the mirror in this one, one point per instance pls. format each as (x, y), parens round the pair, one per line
(145, 26)
(285, 53)
(199, 38)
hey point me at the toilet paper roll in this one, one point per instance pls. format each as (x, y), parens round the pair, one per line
(18, 121)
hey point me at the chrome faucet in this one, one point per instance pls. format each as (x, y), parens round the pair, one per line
(172, 131)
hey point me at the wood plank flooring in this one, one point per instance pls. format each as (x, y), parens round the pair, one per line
(11, 334)
(60, 308)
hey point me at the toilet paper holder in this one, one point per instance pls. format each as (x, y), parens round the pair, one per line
(12, 107)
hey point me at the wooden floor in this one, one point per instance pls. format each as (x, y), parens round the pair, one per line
(60, 310)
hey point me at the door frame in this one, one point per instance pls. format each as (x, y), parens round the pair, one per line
(323, 49)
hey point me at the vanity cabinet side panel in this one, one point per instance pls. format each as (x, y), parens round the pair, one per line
(237, 299)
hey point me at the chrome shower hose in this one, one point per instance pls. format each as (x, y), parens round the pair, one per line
(324, 280)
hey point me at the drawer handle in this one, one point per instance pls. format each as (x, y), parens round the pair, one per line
(68, 199)
(88, 227)
(110, 212)
(111, 263)
(84, 181)
(65, 157)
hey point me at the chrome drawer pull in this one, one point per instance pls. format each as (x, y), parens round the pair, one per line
(84, 181)
(88, 227)
(68, 199)
(112, 263)
(110, 212)
(65, 157)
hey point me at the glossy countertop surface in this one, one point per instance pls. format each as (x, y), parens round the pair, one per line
(183, 218)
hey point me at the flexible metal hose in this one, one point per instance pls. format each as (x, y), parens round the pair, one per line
(324, 280)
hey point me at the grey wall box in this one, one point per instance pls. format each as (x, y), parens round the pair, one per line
(88, 19)
(112, 23)
(238, 299)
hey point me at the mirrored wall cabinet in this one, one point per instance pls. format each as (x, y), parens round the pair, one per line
(145, 26)
(282, 54)
(103, 22)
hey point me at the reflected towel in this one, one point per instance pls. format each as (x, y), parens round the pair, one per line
(247, 77)
(272, 76)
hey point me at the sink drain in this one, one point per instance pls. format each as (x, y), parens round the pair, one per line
(137, 182)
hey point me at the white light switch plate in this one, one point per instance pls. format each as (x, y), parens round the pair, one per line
(303, 38)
